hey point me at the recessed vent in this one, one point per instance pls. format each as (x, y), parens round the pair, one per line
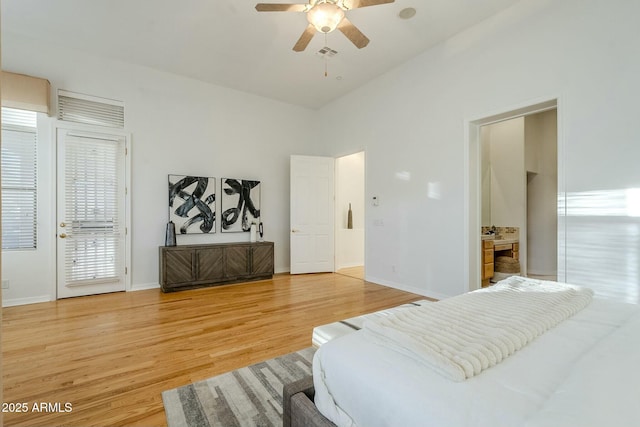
(90, 110)
(326, 52)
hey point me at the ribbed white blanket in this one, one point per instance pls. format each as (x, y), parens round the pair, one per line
(461, 336)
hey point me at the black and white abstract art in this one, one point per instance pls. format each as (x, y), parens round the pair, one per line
(192, 204)
(240, 204)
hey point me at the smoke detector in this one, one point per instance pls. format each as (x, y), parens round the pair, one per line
(407, 13)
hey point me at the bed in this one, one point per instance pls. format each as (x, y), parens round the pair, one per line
(580, 372)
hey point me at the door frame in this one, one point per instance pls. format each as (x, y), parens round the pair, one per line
(473, 182)
(67, 126)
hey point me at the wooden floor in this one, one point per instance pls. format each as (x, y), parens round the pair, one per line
(357, 272)
(111, 356)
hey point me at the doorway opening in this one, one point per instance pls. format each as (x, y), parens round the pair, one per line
(350, 230)
(515, 176)
(519, 194)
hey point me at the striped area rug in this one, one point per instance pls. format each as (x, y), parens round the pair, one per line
(250, 396)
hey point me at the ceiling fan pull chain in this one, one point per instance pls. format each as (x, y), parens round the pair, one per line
(326, 61)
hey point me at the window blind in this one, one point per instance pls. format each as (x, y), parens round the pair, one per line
(94, 250)
(19, 179)
(90, 110)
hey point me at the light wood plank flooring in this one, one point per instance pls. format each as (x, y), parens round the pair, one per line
(357, 272)
(111, 356)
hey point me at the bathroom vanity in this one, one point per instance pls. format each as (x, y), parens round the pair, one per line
(503, 242)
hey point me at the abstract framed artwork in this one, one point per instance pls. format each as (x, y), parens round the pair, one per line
(240, 204)
(192, 204)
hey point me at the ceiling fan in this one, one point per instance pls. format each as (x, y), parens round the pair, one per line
(325, 16)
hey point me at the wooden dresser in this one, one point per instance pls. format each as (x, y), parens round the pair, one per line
(195, 266)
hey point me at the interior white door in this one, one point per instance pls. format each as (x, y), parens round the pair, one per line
(312, 214)
(90, 217)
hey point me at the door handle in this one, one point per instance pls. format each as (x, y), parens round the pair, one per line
(62, 224)
(294, 230)
(63, 235)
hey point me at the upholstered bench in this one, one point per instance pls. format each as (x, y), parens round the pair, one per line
(325, 333)
(298, 407)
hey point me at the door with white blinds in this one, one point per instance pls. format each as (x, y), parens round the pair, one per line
(91, 213)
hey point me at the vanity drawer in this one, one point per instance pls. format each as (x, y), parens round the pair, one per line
(505, 247)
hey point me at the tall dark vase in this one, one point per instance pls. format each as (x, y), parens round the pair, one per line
(170, 235)
(349, 218)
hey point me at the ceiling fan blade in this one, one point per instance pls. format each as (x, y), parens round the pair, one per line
(305, 38)
(280, 7)
(354, 34)
(354, 4)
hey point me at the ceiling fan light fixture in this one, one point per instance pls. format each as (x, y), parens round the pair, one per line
(325, 16)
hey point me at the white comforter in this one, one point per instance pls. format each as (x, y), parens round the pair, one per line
(460, 337)
(581, 373)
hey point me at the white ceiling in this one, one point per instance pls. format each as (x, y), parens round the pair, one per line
(229, 43)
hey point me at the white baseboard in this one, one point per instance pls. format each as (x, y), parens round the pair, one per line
(543, 275)
(147, 286)
(24, 301)
(406, 288)
(351, 264)
(47, 298)
(144, 286)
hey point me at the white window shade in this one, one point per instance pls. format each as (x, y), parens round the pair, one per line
(19, 179)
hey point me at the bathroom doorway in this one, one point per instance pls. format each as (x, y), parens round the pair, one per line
(350, 230)
(520, 190)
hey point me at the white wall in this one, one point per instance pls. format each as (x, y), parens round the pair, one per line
(485, 176)
(350, 173)
(178, 126)
(412, 120)
(542, 193)
(508, 179)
